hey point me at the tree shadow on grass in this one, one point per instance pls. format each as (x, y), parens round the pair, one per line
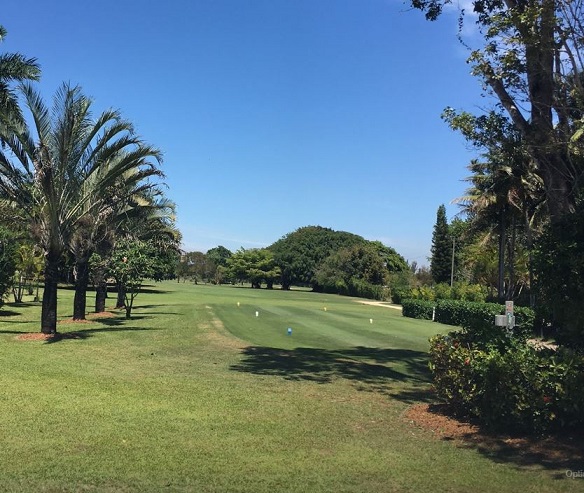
(8, 313)
(374, 367)
(87, 333)
(119, 321)
(559, 453)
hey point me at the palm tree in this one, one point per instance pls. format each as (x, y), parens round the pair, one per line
(503, 194)
(14, 67)
(60, 172)
(99, 230)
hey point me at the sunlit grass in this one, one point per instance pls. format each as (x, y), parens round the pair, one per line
(197, 393)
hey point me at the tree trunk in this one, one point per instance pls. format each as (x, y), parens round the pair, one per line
(81, 282)
(49, 309)
(100, 296)
(529, 240)
(502, 235)
(511, 287)
(121, 301)
(100, 289)
(558, 187)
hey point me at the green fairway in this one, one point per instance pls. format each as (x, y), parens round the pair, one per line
(197, 393)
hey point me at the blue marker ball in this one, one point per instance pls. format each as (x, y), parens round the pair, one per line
(289, 331)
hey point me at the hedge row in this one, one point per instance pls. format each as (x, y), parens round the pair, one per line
(472, 316)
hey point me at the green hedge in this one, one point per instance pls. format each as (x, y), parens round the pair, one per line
(474, 317)
(513, 388)
(418, 309)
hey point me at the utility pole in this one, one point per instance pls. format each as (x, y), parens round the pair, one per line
(452, 265)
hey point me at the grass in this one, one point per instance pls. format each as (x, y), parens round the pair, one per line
(196, 393)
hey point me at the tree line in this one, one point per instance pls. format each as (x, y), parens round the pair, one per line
(80, 193)
(312, 256)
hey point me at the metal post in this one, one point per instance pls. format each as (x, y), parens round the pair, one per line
(452, 265)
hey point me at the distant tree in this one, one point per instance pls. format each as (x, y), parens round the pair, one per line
(298, 254)
(254, 266)
(219, 255)
(440, 263)
(359, 270)
(393, 261)
(200, 266)
(422, 274)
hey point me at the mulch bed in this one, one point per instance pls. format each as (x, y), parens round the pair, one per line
(38, 336)
(554, 451)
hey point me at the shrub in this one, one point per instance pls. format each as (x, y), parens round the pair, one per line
(514, 389)
(418, 309)
(426, 293)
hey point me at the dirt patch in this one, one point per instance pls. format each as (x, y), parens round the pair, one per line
(562, 451)
(34, 336)
(434, 417)
(39, 336)
(89, 318)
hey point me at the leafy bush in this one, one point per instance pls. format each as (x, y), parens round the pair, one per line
(468, 292)
(418, 309)
(516, 388)
(459, 291)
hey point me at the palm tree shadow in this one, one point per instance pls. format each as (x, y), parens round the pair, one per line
(8, 313)
(87, 333)
(374, 367)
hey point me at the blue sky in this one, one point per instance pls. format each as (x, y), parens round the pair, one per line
(273, 114)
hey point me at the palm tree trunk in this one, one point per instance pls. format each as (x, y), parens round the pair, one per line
(100, 296)
(100, 288)
(49, 309)
(81, 282)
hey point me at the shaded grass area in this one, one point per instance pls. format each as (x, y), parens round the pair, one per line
(362, 364)
(196, 393)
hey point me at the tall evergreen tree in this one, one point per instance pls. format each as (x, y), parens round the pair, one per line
(440, 263)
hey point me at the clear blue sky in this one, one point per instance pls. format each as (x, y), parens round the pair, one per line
(273, 114)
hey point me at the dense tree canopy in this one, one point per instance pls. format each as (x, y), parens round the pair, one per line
(358, 270)
(256, 266)
(531, 62)
(298, 254)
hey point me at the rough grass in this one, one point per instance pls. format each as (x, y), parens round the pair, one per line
(196, 393)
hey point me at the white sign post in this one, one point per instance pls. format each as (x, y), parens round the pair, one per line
(509, 315)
